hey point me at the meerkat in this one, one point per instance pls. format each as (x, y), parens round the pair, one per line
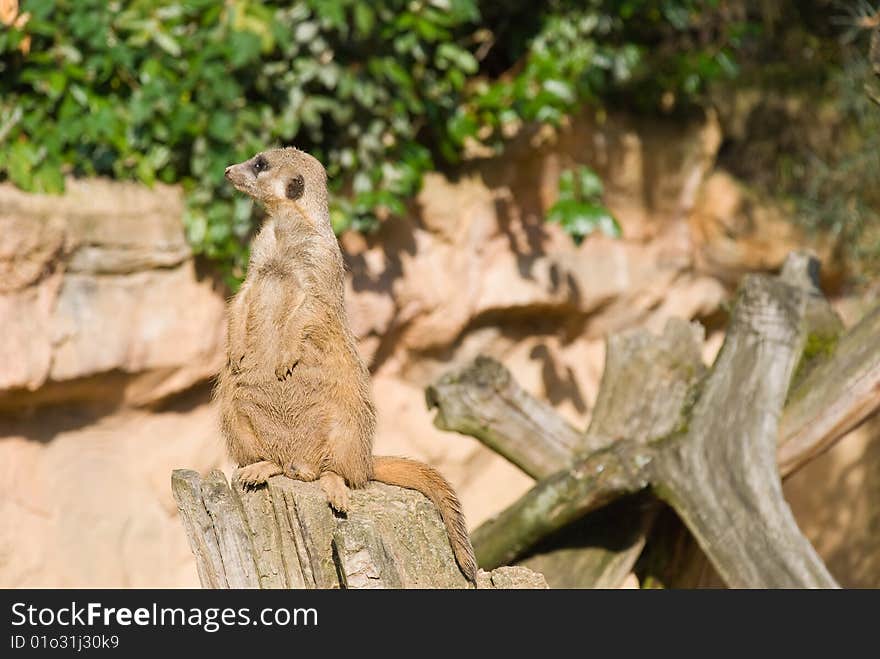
(294, 394)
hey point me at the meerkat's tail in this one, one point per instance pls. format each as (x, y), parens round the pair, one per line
(417, 476)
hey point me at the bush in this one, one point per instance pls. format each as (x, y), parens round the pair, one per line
(381, 92)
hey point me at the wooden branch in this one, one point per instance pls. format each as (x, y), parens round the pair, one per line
(646, 382)
(600, 550)
(840, 392)
(721, 475)
(821, 324)
(561, 499)
(484, 401)
(837, 395)
(284, 535)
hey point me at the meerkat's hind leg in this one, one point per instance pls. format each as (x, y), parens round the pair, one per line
(257, 473)
(336, 490)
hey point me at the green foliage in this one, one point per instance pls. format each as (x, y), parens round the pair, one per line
(381, 92)
(836, 188)
(579, 209)
(566, 63)
(813, 137)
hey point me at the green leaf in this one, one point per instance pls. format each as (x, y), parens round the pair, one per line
(462, 125)
(591, 187)
(364, 18)
(579, 220)
(244, 48)
(167, 43)
(48, 179)
(566, 185)
(560, 89)
(608, 225)
(19, 164)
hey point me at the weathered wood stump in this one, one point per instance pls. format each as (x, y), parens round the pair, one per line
(285, 535)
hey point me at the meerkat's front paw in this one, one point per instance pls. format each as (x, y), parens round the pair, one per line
(257, 473)
(336, 490)
(286, 366)
(235, 364)
(301, 472)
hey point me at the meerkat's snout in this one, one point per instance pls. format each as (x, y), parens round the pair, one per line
(242, 178)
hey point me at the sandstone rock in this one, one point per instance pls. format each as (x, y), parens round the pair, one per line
(834, 499)
(100, 282)
(735, 231)
(92, 507)
(101, 226)
(479, 250)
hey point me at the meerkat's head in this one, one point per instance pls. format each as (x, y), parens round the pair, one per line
(281, 176)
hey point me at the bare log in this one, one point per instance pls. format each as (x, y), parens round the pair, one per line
(284, 535)
(721, 475)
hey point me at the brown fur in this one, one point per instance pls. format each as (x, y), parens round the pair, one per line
(294, 394)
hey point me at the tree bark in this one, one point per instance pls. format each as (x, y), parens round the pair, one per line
(560, 499)
(721, 475)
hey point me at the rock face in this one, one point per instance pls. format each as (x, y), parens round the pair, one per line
(86, 501)
(99, 297)
(110, 336)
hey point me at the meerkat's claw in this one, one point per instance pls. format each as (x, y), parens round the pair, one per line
(336, 490)
(285, 370)
(258, 473)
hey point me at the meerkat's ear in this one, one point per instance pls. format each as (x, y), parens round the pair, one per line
(295, 187)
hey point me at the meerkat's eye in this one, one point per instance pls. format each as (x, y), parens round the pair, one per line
(260, 165)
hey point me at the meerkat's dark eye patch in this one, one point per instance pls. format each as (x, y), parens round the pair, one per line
(296, 187)
(260, 165)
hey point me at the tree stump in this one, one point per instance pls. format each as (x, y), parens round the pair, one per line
(285, 535)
